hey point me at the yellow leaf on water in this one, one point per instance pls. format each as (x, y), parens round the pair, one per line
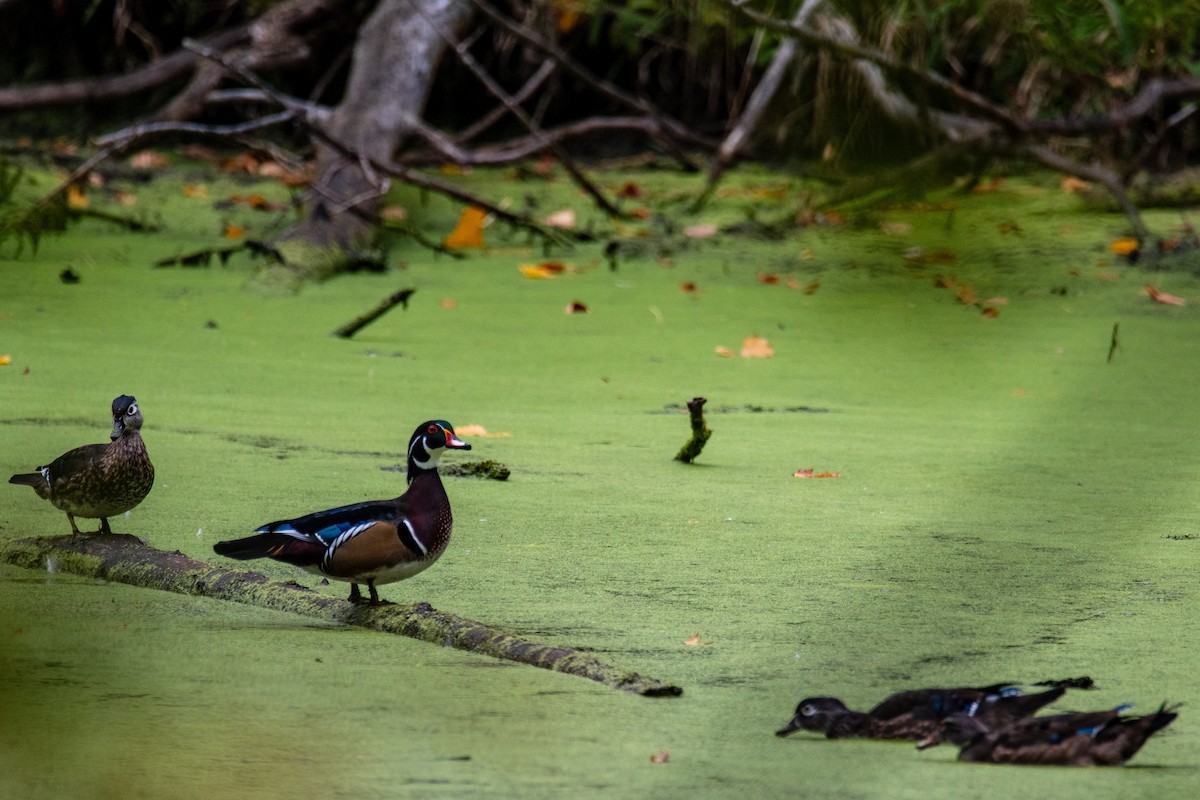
(535, 271)
(756, 347)
(76, 198)
(5, 360)
(469, 230)
(478, 430)
(1123, 246)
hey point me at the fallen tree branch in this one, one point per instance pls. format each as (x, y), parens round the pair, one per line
(124, 559)
(363, 320)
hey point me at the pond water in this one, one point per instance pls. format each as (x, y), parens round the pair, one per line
(1010, 507)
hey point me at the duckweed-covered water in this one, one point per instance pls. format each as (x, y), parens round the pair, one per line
(1011, 506)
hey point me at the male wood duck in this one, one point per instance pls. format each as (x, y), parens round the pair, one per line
(915, 714)
(98, 480)
(1096, 738)
(376, 542)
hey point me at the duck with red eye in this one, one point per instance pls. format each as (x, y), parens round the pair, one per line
(375, 542)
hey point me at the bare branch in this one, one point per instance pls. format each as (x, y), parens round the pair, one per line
(495, 115)
(515, 109)
(387, 167)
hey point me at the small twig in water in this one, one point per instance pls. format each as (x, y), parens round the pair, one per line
(363, 320)
(1114, 344)
(700, 432)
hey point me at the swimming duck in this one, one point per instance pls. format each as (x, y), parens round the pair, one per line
(1095, 738)
(98, 480)
(376, 542)
(915, 714)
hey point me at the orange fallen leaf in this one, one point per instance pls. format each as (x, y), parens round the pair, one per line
(1163, 297)
(194, 190)
(76, 198)
(808, 473)
(641, 212)
(756, 347)
(1074, 185)
(1124, 246)
(564, 218)
(244, 162)
(704, 230)
(233, 231)
(479, 431)
(123, 198)
(723, 351)
(769, 278)
(148, 159)
(575, 307)
(694, 641)
(5, 360)
(535, 272)
(812, 287)
(451, 169)
(469, 230)
(688, 286)
(660, 757)
(965, 294)
(990, 311)
(448, 302)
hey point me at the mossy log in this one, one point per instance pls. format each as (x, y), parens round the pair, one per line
(125, 559)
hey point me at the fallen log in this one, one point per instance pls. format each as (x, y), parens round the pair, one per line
(125, 559)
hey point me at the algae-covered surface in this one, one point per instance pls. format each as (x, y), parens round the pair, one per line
(1010, 505)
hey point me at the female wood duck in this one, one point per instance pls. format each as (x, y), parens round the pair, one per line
(376, 542)
(1097, 738)
(99, 480)
(915, 714)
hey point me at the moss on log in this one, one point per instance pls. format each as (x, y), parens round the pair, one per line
(124, 559)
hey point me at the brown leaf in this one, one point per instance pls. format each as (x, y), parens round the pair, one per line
(575, 307)
(1163, 297)
(661, 757)
(233, 231)
(694, 641)
(1074, 185)
(809, 473)
(723, 351)
(148, 159)
(630, 189)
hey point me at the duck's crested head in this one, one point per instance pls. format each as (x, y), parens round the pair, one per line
(127, 416)
(814, 714)
(428, 442)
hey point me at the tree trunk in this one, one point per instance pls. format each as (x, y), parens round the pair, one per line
(396, 56)
(124, 559)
